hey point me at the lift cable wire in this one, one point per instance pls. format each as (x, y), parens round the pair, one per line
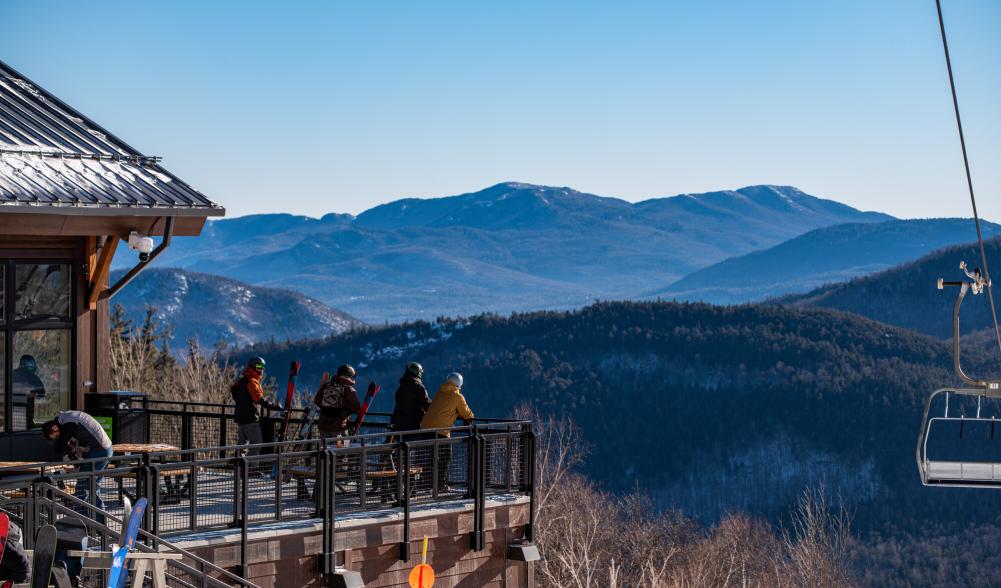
(969, 177)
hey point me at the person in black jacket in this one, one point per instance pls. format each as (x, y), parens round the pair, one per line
(412, 400)
(14, 565)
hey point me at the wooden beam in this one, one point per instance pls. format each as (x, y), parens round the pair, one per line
(100, 273)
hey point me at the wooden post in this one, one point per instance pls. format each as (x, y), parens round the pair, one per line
(99, 273)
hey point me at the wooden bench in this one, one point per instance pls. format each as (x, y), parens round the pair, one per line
(302, 473)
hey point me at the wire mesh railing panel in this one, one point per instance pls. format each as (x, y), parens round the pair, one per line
(503, 471)
(381, 480)
(209, 431)
(166, 428)
(279, 489)
(349, 486)
(194, 495)
(298, 483)
(438, 469)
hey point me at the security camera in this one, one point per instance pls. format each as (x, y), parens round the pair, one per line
(142, 244)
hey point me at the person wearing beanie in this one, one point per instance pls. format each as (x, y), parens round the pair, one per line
(448, 405)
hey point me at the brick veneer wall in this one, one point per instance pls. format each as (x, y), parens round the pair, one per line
(288, 557)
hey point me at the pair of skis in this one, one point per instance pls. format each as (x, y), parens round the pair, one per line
(311, 411)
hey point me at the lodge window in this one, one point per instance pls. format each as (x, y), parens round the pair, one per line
(37, 343)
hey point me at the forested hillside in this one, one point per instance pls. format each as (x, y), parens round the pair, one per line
(710, 408)
(907, 296)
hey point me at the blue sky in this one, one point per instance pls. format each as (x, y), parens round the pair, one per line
(337, 106)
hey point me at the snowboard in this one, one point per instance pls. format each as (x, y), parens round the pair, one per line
(60, 575)
(118, 575)
(45, 554)
(373, 389)
(71, 535)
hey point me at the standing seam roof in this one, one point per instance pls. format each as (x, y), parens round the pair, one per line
(53, 156)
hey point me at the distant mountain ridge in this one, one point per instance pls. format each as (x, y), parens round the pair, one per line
(512, 246)
(906, 295)
(822, 256)
(211, 309)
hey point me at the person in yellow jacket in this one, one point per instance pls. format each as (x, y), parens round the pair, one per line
(447, 406)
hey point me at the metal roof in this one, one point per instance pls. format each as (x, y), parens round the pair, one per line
(54, 159)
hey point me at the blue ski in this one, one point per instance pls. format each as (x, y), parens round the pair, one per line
(119, 573)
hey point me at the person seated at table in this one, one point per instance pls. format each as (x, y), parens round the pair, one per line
(76, 435)
(27, 388)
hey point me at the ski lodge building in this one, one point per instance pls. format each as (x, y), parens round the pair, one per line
(306, 513)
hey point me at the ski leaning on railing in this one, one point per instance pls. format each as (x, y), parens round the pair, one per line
(312, 411)
(286, 406)
(373, 389)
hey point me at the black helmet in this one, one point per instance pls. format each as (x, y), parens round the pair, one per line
(257, 363)
(415, 369)
(28, 363)
(346, 371)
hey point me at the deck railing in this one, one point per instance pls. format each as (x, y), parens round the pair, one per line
(200, 487)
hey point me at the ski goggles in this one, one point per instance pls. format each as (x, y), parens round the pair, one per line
(259, 367)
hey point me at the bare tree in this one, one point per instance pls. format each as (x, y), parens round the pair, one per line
(593, 538)
(819, 542)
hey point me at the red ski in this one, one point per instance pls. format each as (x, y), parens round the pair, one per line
(4, 530)
(293, 373)
(373, 389)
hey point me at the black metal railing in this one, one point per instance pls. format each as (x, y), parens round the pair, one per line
(204, 487)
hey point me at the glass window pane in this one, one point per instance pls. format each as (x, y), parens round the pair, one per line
(42, 376)
(3, 380)
(43, 291)
(3, 296)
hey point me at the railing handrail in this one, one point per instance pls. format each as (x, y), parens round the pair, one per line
(499, 459)
(142, 533)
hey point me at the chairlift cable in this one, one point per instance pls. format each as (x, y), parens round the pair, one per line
(969, 177)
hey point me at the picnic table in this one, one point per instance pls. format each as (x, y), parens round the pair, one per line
(26, 468)
(130, 448)
(174, 479)
(30, 467)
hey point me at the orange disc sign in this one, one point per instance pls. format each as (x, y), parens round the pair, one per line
(422, 576)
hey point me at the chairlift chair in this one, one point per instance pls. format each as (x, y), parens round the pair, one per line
(972, 457)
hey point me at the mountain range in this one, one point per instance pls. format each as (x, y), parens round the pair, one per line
(211, 309)
(509, 247)
(820, 257)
